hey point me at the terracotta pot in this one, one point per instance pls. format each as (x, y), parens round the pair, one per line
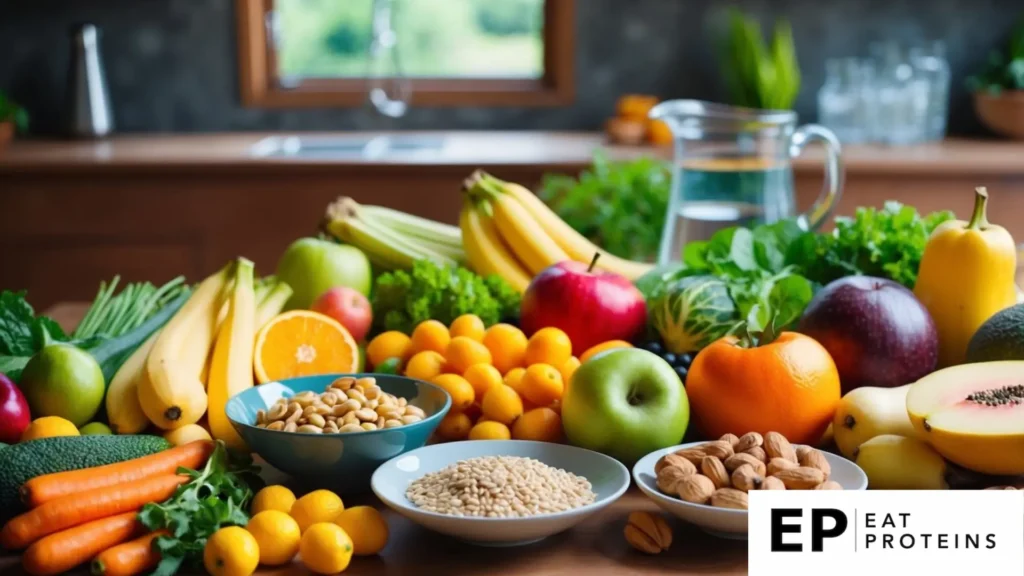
(6, 133)
(1003, 113)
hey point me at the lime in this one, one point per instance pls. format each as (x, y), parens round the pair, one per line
(389, 366)
(63, 380)
(95, 429)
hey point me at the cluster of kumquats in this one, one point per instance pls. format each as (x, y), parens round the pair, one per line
(503, 385)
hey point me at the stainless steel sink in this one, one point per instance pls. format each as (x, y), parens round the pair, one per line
(350, 147)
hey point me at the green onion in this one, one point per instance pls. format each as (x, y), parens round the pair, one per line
(112, 315)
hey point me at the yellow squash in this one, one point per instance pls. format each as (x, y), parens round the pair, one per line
(966, 276)
(231, 368)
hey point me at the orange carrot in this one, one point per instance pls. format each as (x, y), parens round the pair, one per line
(130, 558)
(69, 511)
(52, 486)
(63, 551)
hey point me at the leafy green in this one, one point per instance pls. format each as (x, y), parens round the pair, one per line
(22, 333)
(402, 299)
(691, 312)
(1004, 70)
(753, 265)
(772, 271)
(886, 243)
(10, 111)
(620, 206)
(215, 497)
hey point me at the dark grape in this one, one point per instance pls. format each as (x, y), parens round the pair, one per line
(670, 358)
(685, 360)
(681, 372)
(653, 346)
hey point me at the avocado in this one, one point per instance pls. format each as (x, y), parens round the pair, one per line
(26, 460)
(1001, 337)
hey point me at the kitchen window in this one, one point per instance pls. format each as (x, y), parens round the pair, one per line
(324, 53)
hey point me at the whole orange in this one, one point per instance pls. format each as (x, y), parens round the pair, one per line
(462, 352)
(790, 386)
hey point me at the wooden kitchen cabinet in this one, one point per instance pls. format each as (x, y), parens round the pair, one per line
(151, 208)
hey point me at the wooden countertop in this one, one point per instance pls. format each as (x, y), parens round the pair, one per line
(232, 151)
(595, 547)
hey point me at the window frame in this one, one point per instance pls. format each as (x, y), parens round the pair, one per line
(261, 88)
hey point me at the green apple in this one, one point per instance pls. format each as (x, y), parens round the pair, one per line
(625, 403)
(63, 380)
(311, 266)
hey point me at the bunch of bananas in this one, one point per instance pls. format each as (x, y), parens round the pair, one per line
(199, 359)
(508, 231)
(390, 238)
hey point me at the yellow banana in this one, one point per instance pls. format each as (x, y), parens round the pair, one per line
(528, 240)
(124, 413)
(487, 252)
(231, 369)
(572, 242)
(272, 303)
(172, 393)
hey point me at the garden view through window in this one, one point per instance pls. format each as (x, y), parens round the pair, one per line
(458, 39)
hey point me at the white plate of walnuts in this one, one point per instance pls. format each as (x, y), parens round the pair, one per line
(706, 483)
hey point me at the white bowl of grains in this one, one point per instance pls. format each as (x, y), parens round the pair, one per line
(499, 492)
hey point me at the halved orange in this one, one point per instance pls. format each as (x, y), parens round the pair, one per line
(303, 343)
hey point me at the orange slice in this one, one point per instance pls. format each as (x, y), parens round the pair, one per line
(303, 343)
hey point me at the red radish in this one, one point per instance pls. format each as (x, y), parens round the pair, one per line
(347, 306)
(14, 415)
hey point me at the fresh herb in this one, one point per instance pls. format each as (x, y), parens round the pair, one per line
(753, 265)
(10, 111)
(215, 497)
(620, 206)
(113, 315)
(886, 243)
(22, 333)
(1004, 69)
(403, 299)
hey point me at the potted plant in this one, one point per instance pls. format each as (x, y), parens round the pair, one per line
(999, 89)
(12, 118)
(759, 74)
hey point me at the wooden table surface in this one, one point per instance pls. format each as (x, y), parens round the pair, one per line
(596, 547)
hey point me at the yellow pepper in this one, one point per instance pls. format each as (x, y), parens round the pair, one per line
(966, 276)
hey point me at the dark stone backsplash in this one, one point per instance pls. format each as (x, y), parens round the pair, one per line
(171, 64)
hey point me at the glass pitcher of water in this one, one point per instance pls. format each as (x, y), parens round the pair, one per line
(732, 168)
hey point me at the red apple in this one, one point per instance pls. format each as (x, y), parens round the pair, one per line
(590, 306)
(14, 415)
(348, 306)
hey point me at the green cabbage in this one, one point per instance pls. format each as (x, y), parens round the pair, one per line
(691, 312)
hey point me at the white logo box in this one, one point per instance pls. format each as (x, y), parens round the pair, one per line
(962, 533)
